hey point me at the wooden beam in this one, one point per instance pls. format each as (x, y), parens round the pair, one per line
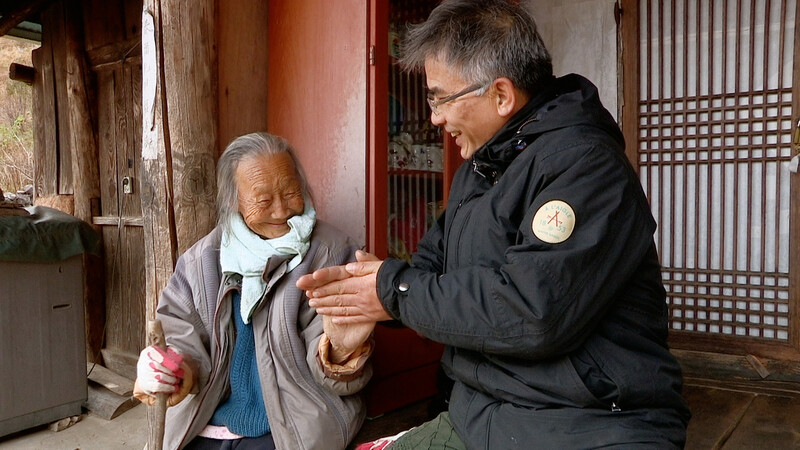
(118, 221)
(721, 366)
(23, 10)
(120, 362)
(112, 54)
(106, 404)
(109, 379)
(21, 72)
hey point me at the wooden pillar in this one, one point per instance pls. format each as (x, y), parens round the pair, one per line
(45, 136)
(156, 188)
(85, 167)
(629, 74)
(179, 136)
(188, 38)
(54, 42)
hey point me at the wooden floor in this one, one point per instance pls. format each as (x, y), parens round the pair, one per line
(743, 416)
(727, 416)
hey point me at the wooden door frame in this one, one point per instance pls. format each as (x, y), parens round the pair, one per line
(377, 127)
(794, 187)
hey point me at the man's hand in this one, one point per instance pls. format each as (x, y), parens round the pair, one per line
(347, 293)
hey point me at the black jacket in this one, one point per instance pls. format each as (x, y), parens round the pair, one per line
(555, 337)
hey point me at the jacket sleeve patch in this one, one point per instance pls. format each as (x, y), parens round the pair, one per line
(553, 222)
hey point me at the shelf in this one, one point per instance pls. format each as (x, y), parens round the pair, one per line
(416, 173)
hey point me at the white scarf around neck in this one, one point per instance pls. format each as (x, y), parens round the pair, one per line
(245, 253)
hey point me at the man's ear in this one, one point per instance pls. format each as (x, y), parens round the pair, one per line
(508, 99)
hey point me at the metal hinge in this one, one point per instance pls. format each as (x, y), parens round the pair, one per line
(371, 55)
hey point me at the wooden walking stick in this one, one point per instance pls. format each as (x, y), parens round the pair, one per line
(156, 414)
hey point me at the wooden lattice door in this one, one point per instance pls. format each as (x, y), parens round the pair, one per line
(710, 117)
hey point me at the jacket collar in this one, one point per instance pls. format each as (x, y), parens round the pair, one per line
(493, 158)
(562, 102)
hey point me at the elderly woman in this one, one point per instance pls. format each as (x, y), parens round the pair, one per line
(248, 363)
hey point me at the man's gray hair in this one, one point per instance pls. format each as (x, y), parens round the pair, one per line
(240, 149)
(481, 40)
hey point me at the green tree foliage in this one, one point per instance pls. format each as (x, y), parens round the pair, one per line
(16, 118)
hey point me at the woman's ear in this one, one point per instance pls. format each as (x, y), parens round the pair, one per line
(508, 99)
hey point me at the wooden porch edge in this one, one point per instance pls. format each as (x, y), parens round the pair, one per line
(737, 368)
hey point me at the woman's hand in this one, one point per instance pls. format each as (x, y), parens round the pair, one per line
(345, 339)
(162, 371)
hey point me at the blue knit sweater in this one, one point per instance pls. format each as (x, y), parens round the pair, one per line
(243, 412)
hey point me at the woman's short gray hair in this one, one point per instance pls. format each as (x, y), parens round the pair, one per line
(482, 40)
(240, 149)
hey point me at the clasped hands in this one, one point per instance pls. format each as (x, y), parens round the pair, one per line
(347, 298)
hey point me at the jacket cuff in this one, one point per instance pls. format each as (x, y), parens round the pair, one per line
(387, 279)
(348, 370)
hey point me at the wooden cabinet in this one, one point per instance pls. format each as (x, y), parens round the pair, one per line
(420, 161)
(415, 152)
(42, 354)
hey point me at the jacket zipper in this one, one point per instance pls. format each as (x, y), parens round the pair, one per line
(309, 379)
(214, 373)
(451, 226)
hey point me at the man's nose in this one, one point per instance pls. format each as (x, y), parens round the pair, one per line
(437, 120)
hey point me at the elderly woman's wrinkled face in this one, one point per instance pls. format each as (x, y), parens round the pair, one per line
(269, 194)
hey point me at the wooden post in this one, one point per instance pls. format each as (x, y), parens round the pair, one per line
(188, 39)
(179, 137)
(629, 74)
(157, 213)
(85, 168)
(45, 140)
(156, 189)
(179, 144)
(54, 19)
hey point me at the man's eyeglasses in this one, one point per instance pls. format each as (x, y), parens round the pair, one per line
(436, 103)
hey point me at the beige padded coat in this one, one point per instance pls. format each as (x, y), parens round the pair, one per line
(305, 409)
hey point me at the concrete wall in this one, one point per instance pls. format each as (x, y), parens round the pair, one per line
(582, 38)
